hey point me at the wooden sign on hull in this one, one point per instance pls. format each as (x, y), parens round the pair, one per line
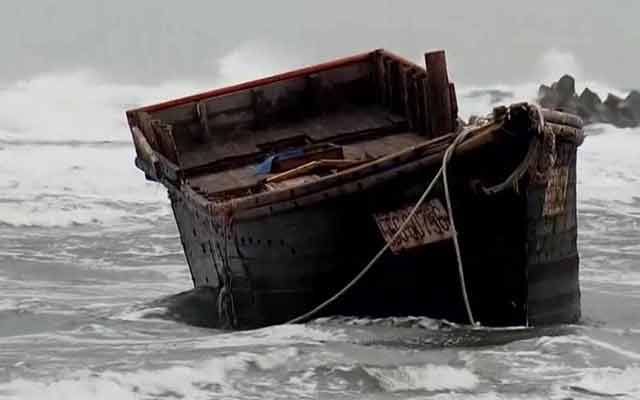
(429, 224)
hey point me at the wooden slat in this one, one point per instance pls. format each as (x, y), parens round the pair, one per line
(274, 93)
(391, 91)
(407, 98)
(424, 106)
(418, 103)
(381, 80)
(313, 165)
(454, 102)
(147, 130)
(201, 110)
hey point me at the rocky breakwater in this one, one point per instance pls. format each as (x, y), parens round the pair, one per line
(621, 112)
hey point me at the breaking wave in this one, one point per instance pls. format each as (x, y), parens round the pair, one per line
(216, 376)
(609, 382)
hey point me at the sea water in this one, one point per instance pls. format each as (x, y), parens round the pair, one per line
(90, 257)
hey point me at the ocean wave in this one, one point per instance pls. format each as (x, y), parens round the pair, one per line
(275, 335)
(609, 382)
(143, 314)
(550, 344)
(608, 167)
(64, 186)
(398, 322)
(432, 378)
(220, 376)
(75, 105)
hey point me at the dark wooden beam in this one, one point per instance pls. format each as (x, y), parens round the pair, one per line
(438, 94)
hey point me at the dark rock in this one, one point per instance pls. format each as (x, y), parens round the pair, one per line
(619, 114)
(566, 88)
(590, 106)
(589, 100)
(614, 110)
(632, 102)
(612, 101)
(547, 97)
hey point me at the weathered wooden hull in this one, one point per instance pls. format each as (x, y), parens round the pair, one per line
(284, 189)
(521, 266)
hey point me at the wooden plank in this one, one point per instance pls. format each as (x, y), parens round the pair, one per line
(454, 102)
(381, 80)
(304, 169)
(438, 94)
(407, 98)
(424, 105)
(201, 111)
(274, 93)
(245, 144)
(147, 130)
(390, 93)
(164, 135)
(418, 103)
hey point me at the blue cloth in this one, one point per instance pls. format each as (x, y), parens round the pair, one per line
(266, 166)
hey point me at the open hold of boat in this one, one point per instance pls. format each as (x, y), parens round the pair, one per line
(286, 189)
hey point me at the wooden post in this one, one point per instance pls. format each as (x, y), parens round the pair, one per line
(438, 94)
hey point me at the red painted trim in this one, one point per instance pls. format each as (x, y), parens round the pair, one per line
(259, 82)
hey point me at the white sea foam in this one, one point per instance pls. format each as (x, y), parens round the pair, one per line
(610, 382)
(548, 343)
(65, 153)
(609, 166)
(143, 314)
(76, 105)
(194, 380)
(65, 149)
(251, 60)
(8, 304)
(274, 335)
(492, 395)
(424, 377)
(63, 185)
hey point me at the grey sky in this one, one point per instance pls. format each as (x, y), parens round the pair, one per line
(150, 41)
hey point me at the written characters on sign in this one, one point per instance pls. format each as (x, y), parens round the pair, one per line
(429, 224)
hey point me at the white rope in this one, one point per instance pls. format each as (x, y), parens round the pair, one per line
(374, 259)
(456, 245)
(441, 172)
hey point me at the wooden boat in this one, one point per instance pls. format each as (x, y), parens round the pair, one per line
(285, 188)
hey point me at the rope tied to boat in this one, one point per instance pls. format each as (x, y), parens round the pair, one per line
(548, 143)
(442, 172)
(533, 156)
